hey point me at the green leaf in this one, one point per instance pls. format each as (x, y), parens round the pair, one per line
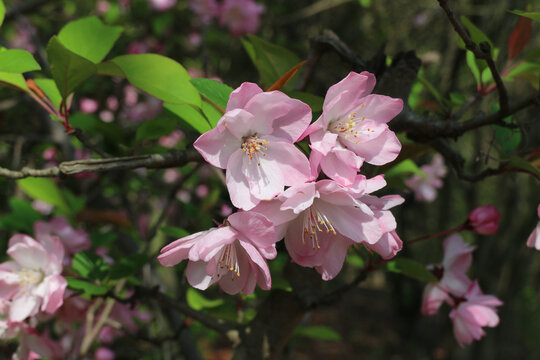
(457, 98)
(272, 61)
(69, 70)
(315, 102)
(531, 15)
(476, 34)
(159, 76)
(89, 37)
(48, 86)
(75, 203)
(508, 139)
(45, 190)
(85, 122)
(190, 115)
(127, 266)
(85, 286)
(432, 89)
(318, 332)
(2, 12)
(14, 80)
(174, 232)
(198, 302)
(211, 113)
(473, 66)
(90, 265)
(520, 163)
(216, 92)
(21, 217)
(365, 3)
(486, 76)
(529, 67)
(355, 260)
(155, 128)
(405, 168)
(411, 268)
(17, 61)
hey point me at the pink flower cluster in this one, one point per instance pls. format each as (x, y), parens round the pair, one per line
(471, 309)
(239, 16)
(279, 191)
(425, 188)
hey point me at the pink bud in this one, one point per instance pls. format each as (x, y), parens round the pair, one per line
(483, 220)
(88, 106)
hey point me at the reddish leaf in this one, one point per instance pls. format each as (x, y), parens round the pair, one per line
(285, 78)
(520, 37)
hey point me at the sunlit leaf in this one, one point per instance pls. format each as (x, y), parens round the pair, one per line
(45, 190)
(14, 80)
(213, 90)
(531, 15)
(198, 302)
(476, 34)
(48, 86)
(190, 116)
(17, 61)
(85, 286)
(411, 268)
(318, 332)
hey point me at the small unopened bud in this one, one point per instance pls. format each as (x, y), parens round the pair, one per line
(483, 220)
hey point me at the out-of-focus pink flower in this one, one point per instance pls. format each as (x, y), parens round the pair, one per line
(42, 207)
(172, 139)
(138, 47)
(534, 239)
(88, 106)
(483, 220)
(425, 188)
(171, 175)
(49, 154)
(142, 111)
(162, 5)
(22, 39)
(131, 97)
(103, 353)
(194, 38)
(183, 196)
(473, 313)
(321, 220)
(451, 273)
(232, 255)
(240, 16)
(74, 240)
(102, 6)
(201, 191)
(32, 282)
(123, 314)
(32, 344)
(112, 103)
(106, 116)
(254, 141)
(225, 210)
(352, 129)
(206, 10)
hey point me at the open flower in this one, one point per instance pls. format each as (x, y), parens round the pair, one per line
(232, 255)
(321, 220)
(473, 313)
(425, 188)
(254, 141)
(240, 16)
(74, 240)
(32, 282)
(534, 239)
(352, 129)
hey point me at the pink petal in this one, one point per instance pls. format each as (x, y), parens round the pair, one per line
(217, 146)
(268, 107)
(388, 245)
(238, 185)
(292, 125)
(265, 179)
(292, 163)
(358, 84)
(197, 277)
(432, 299)
(323, 141)
(241, 95)
(341, 165)
(254, 257)
(335, 256)
(54, 297)
(298, 198)
(375, 183)
(27, 252)
(381, 150)
(23, 306)
(254, 228)
(208, 245)
(379, 108)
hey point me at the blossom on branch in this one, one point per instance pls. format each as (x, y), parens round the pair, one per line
(534, 239)
(483, 220)
(425, 188)
(232, 255)
(240, 16)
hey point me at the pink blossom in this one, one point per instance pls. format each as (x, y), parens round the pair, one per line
(103, 353)
(206, 10)
(534, 239)
(425, 188)
(254, 141)
(321, 220)
(240, 16)
(232, 255)
(194, 38)
(88, 106)
(202, 191)
(102, 6)
(74, 240)
(172, 139)
(32, 282)
(352, 129)
(162, 5)
(141, 111)
(483, 220)
(225, 210)
(23, 37)
(112, 103)
(451, 273)
(42, 207)
(131, 97)
(32, 344)
(171, 175)
(473, 313)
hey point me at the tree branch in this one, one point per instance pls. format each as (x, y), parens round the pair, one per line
(152, 161)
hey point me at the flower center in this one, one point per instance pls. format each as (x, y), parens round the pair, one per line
(351, 128)
(30, 277)
(315, 222)
(228, 261)
(254, 147)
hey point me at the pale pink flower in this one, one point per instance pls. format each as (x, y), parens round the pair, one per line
(483, 220)
(534, 239)
(172, 139)
(102, 6)
(32, 344)
(254, 141)
(425, 188)
(453, 280)
(352, 129)
(74, 240)
(232, 255)
(225, 210)
(145, 110)
(194, 38)
(103, 353)
(472, 313)
(206, 10)
(88, 106)
(240, 16)
(112, 103)
(321, 220)
(202, 191)
(106, 116)
(171, 175)
(23, 37)
(131, 97)
(32, 282)
(162, 5)
(42, 207)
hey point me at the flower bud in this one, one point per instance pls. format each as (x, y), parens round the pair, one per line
(483, 220)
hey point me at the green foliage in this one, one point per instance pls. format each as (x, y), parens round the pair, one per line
(211, 113)
(191, 116)
(89, 37)
(157, 75)
(318, 332)
(90, 265)
(198, 302)
(411, 268)
(14, 80)
(21, 217)
(127, 266)
(528, 14)
(45, 190)
(174, 231)
(69, 70)
(2, 12)
(216, 92)
(405, 168)
(155, 128)
(48, 86)
(271, 60)
(475, 33)
(87, 288)
(17, 61)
